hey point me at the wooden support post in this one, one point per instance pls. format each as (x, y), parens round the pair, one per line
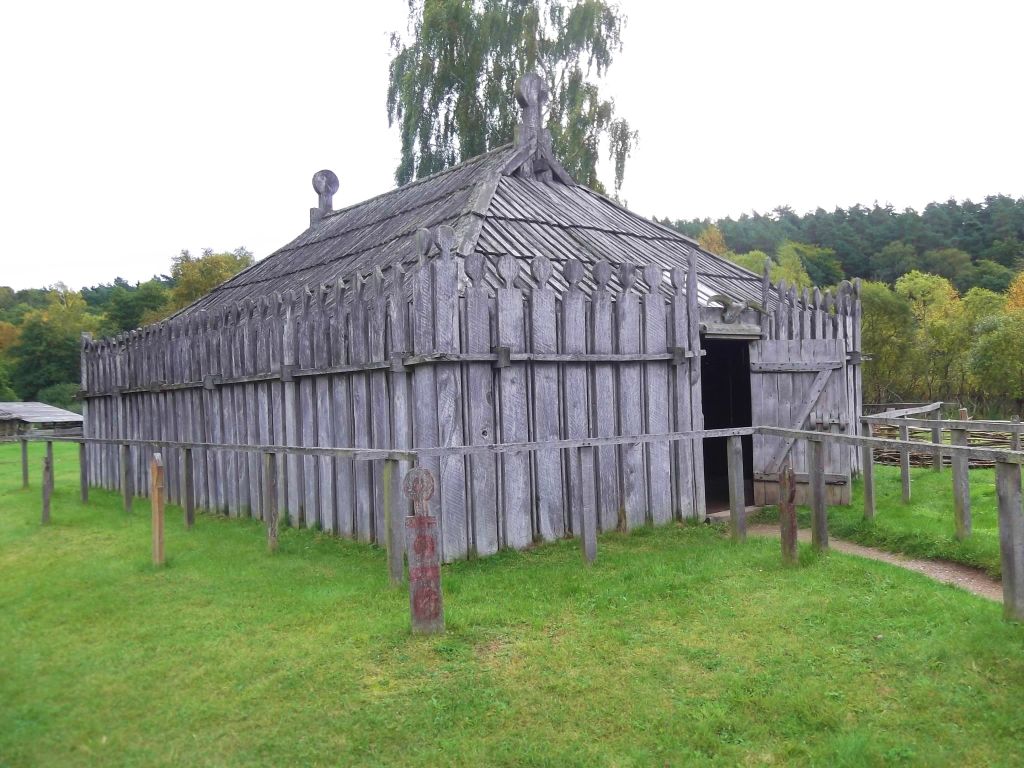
(156, 497)
(49, 458)
(47, 489)
(126, 477)
(1011, 539)
(24, 463)
(737, 500)
(83, 473)
(964, 416)
(394, 521)
(868, 468)
(270, 500)
(905, 463)
(961, 487)
(426, 605)
(188, 493)
(588, 496)
(937, 455)
(819, 512)
(787, 515)
(1015, 441)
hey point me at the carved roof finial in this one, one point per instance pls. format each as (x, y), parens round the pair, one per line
(325, 184)
(531, 94)
(535, 159)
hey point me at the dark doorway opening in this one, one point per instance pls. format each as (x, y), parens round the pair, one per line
(725, 387)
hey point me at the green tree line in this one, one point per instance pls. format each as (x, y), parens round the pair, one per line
(40, 328)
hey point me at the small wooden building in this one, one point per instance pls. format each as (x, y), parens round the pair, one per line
(19, 418)
(494, 302)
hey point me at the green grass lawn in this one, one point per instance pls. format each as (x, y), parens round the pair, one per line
(677, 648)
(923, 528)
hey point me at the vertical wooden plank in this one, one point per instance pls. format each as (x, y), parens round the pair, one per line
(481, 392)
(264, 331)
(961, 486)
(275, 364)
(401, 418)
(362, 476)
(868, 468)
(47, 489)
(270, 494)
(575, 391)
(547, 464)
(380, 404)
(254, 472)
(290, 412)
(229, 412)
(156, 497)
(603, 400)
(394, 521)
(787, 515)
(1011, 539)
(588, 511)
(819, 511)
(126, 478)
(452, 480)
(85, 357)
(737, 503)
(696, 397)
(189, 492)
(937, 454)
(83, 473)
(633, 510)
(324, 414)
(518, 530)
(307, 409)
(656, 421)
(341, 407)
(905, 463)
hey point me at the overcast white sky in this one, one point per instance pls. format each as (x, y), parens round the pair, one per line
(130, 131)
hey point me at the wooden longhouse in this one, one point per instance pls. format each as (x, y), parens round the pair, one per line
(494, 302)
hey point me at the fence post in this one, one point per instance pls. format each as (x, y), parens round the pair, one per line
(270, 499)
(393, 521)
(937, 454)
(1015, 434)
(819, 512)
(156, 496)
(787, 515)
(1011, 538)
(83, 473)
(188, 494)
(426, 605)
(868, 468)
(47, 489)
(961, 486)
(588, 497)
(49, 457)
(737, 502)
(126, 477)
(24, 462)
(905, 463)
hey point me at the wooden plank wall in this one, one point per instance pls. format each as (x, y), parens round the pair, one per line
(432, 357)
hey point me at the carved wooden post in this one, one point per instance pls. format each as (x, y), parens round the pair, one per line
(1011, 538)
(47, 489)
(270, 499)
(189, 492)
(126, 477)
(425, 602)
(787, 515)
(819, 512)
(83, 473)
(156, 497)
(24, 462)
(584, 470)
(868, 468)
(393, 521)
(961, 486)
(905, 463)
(737, 502)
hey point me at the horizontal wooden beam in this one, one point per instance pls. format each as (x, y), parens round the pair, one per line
(970, 425)
(930, 408)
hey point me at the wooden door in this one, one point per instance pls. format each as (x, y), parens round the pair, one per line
(800, 384)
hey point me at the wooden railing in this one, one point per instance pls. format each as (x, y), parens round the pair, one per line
(582, 493)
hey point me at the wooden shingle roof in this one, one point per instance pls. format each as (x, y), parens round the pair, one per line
(37, 413)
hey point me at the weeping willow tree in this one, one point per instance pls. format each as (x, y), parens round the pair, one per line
(452, 81)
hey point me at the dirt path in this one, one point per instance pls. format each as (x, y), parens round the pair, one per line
(958, 575)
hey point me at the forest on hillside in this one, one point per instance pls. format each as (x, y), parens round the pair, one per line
(943, 289)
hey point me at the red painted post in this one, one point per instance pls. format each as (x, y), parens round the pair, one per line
(425, 602)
